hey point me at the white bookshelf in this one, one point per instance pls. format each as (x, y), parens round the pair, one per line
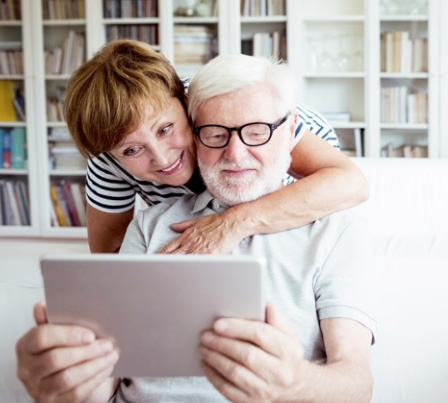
(18, 30)
(348, 30)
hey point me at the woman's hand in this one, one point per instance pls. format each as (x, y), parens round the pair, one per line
(213, 234)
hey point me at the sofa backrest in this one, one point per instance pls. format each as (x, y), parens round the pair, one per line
(408, 205)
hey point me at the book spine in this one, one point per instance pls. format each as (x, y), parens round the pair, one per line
(18, 148)
(70, 204)
(57, 206)
(6, 149)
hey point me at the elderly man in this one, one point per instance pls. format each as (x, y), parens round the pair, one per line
(315, 343)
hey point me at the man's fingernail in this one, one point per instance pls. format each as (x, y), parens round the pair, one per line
(207, 337)
(221, 325)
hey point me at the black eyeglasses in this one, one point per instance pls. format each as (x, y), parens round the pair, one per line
(252, 134)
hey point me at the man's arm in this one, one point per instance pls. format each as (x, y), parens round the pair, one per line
(254, 361)
(106, 230)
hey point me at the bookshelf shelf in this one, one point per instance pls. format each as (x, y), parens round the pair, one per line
(335, 75)
(398, 18)
(404, 126)
(13, 172)
(64, 22)
(263, 20)
(15, 23)
(137, 21)
(64, 173)
(335, 19)
(13, 77)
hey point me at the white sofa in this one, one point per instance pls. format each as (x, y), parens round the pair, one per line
(408, 210)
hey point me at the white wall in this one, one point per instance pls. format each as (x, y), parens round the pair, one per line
(19, 258)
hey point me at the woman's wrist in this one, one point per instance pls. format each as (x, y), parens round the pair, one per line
(242, 220)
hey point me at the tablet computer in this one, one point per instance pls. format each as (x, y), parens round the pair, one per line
(154, 307)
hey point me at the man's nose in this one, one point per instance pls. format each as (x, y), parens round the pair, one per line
(236, 150)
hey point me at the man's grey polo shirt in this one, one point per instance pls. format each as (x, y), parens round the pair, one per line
(318, 271)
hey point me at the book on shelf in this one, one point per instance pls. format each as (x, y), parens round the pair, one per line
(63, 9)
(65, 186)
(57, 206)
(9, 10)
(14, 203)
(66, 59)
(399, 106)
(193, 45)
(7, 112)
(6, 148)
(65, 156)
(402, 54)
(337, 117)
(265, 44)
(143, 33)
(59, 134)
(18, 148)
(23, 202)
(130, 9)
(404, 151)
(11, 58)
(9, 217)
(2, 131)
(68, 208)
(262, 8)
(79, 202)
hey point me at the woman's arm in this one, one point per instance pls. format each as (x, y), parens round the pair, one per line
(106, 230)
(331, 182)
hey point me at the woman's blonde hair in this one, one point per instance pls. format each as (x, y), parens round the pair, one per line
(108, 97)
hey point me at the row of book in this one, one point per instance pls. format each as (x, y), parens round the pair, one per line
(11, 58)
(63, 9)
(13, 148)
(398, 105)
(130, 8)
(262, 8)
(64, 156)
(265, 44)
(402, 54)
(144, 33)
(194, 44)
(12, 101)
(404, 151)
(66, 59)
(14, 203)
(68, 205)
(10, 10)
(351, 141)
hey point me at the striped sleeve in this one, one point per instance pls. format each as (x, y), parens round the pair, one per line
(312, 121)
(308, 120)
(106, 186)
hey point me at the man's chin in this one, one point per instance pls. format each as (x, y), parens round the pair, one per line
(238, 194)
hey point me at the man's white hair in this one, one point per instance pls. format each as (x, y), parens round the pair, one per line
(229, 73)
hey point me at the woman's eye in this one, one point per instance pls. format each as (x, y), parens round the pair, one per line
(129, 152)
(166, 130)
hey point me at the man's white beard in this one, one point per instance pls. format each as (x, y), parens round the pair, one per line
(234, 191)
